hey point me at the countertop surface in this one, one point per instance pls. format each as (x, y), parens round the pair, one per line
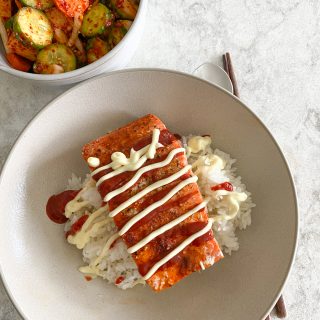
(275, 51)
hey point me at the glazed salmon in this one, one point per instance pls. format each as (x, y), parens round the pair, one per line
(200, 253)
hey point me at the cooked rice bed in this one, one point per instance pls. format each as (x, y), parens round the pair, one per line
(119, 263)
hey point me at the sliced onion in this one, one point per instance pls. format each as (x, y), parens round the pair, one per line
(60, 36)
(77, 22)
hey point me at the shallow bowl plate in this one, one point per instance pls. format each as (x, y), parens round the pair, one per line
(39, 268)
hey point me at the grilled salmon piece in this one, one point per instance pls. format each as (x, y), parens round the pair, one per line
(203, 251)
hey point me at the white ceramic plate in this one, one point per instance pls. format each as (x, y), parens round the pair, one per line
(39, 268)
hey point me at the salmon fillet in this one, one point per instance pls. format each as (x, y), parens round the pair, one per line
(202, 251)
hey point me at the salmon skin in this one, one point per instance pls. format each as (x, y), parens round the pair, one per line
(203, 251)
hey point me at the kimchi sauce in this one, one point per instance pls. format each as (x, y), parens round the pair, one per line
(57, 203)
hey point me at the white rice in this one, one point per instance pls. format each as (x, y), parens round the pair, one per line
(119, 263)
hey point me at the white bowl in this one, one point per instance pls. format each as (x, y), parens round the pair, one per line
(116, 59)
(38, 266)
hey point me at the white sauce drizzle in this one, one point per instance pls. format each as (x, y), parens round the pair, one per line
(231, 200)
(120, 163)
(152, 149)
(74, 205)
(178, 249)
(92, 271)
(213, 161)
(140, 172)
(198, 143)
(93, 162)
(119, 158)
(148, 189)
(156, 204)
(166, 227)
(89, 229)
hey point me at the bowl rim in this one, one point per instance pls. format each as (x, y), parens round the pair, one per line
(156, 70)
(87, 68)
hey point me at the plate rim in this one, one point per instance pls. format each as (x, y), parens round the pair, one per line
(51, 104)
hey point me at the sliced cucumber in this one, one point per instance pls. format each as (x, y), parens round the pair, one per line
(96, 20)
(38, 4)
(96, 48)
(17, 47)
(33, 27)
(125, 9)
(59, 20)
(118, 31)
(9, 24)
(52, 56)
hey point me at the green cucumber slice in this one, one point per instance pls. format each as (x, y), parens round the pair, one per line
(9, 24)
(38, 4)
(55, 55)
(125, 9)
(96, 20)
(96, 48)
(118, 31)
(33, 27)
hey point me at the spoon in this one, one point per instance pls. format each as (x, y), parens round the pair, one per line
(214, 74)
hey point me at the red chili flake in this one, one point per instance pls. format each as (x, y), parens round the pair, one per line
(88, 278)
(119, 280)
(223, 186)
(77, 225)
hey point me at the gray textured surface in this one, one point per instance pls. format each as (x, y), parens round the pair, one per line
(274, 46)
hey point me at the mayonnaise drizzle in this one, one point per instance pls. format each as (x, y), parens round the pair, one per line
(198, 143)
(89, 229)
(75, 205)
(166, 227)
(148, 189)
(120, 163)
(140, 172)
(93, 162)
(178, 249)
(91, 270)
(213, 161)
(157, 204)
(231, 200)
(152, 149)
